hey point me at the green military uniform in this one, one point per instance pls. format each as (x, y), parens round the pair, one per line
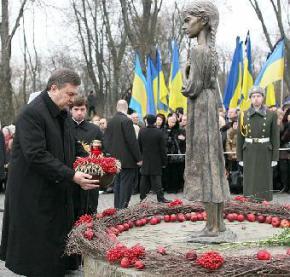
(257, 147)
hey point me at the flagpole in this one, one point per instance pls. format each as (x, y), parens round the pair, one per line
(220, 93)
(282, 93)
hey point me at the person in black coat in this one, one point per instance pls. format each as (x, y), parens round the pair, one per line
(173, 173)
(120, 142)
(2, 158)
(38, 211)
(86, 202)
(152, 146)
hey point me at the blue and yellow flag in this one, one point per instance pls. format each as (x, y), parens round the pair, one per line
(151, 98)
(138, 101)
(270, 95)
(273, 69)
(160, 86)
(247, 76)
(234, 83)
(176, 99)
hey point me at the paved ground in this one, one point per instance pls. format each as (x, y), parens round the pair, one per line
(106, 201)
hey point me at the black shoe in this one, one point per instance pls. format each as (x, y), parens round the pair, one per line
(164, 200)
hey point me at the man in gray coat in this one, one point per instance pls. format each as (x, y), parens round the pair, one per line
(258, 147)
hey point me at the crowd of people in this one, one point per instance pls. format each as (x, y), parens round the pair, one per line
(42, 185)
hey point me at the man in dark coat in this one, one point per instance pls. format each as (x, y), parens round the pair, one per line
(2, 158)
(86, 202)
(152, 146)
(258, 147)
(38, 203)
(120, 142)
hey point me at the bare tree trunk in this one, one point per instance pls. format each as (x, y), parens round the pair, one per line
(7, 109)
(278, 13)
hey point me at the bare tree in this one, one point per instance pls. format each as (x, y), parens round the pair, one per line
(91, 39)
(276, 5)
(6, 92)
(141, 27)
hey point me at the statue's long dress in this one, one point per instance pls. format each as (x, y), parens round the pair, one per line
(204, 164)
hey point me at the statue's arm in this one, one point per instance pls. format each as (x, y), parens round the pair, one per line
(193, 75)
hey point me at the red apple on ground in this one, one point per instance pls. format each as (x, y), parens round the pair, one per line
(200, 217)
(153, 221)
(120, 228)
(173, 217)
(167, 218)
(187, 216)
(235, 216)
(126, 226)
(180, 217)
(268, 219)
(138, 223)
(263, 255)
(191, 255)
(230, 217)
(193, 218)
(276, 221)
(240, 218)
(251, 217)
(261, 218)
(143, 221)
(284, 223)
(158, 218)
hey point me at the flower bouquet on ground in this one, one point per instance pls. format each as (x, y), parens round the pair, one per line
(102, 168)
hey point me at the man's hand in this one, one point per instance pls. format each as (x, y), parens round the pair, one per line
(85, 181)
(140, 163)
(241, 163)
(181, 137)
(274, 163)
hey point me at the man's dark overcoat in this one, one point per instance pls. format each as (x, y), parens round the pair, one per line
(38, 204)
(257, 157)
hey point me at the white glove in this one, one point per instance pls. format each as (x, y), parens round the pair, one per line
(241, 163)
(274, 163)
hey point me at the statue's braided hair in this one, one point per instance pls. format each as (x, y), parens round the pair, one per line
(207, 10)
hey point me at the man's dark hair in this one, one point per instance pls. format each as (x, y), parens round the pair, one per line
(151, 119)
(63, 76)
(79, 101)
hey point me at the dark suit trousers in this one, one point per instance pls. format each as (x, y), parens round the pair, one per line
(123, 187)
(153, 182)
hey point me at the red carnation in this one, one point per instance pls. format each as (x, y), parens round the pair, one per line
(210, 260)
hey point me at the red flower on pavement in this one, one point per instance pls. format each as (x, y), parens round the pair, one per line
(210, 260)
(176, 202)
(109, 212)
(86, 218)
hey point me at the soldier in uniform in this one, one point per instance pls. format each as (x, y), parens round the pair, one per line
(258, 146)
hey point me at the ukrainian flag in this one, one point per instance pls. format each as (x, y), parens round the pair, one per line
(247, 76)
(273, 69)
(176, 99)
(138, 101)
(151, 98)
(160, 87)
(270, 95)
(234, 83)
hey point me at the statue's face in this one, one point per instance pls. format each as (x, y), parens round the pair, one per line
(192, 25)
